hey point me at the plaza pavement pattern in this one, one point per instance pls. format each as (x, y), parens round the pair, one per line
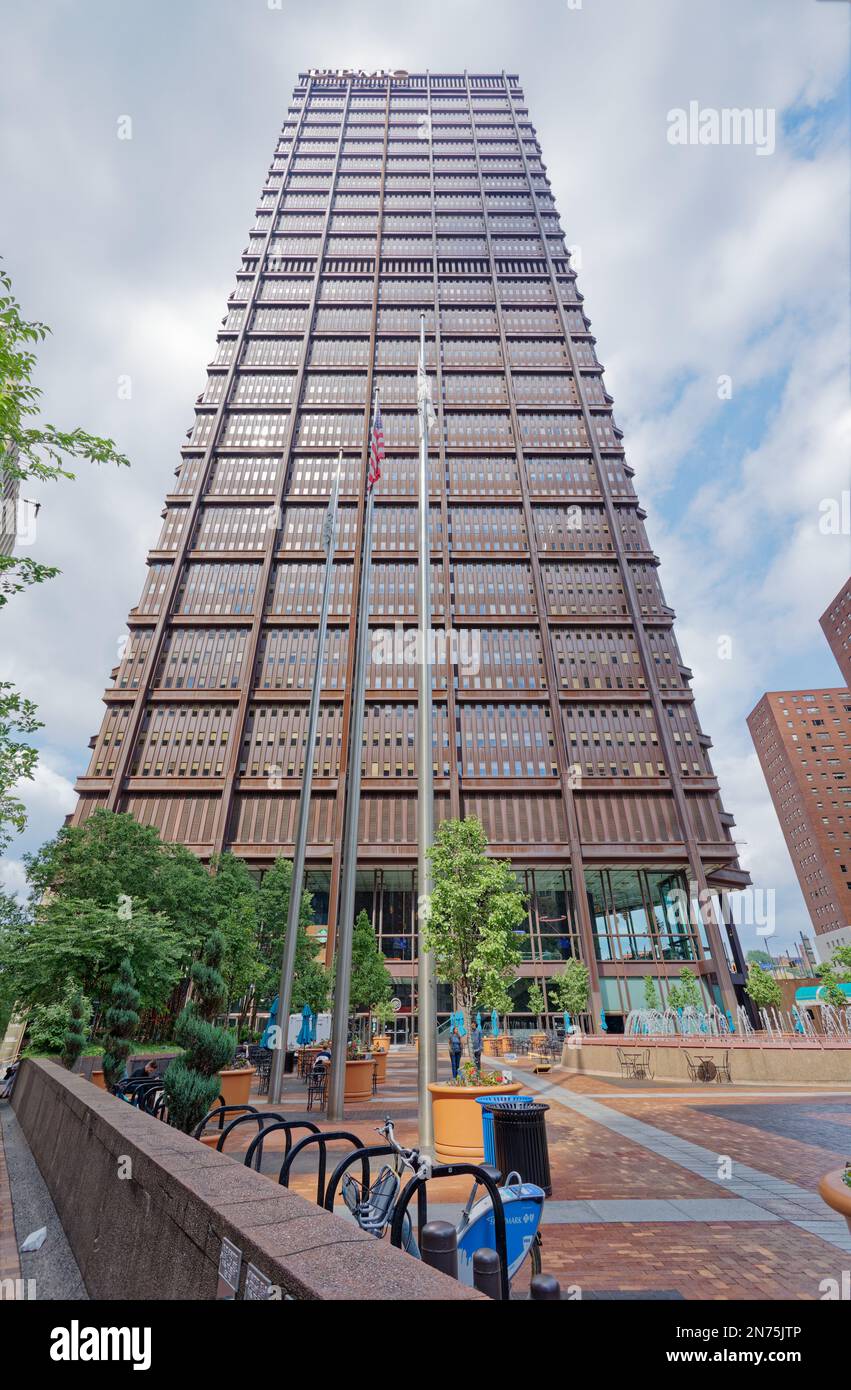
(659, 1191)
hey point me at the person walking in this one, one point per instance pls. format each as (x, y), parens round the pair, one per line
(476, 1045)
(455, 1051)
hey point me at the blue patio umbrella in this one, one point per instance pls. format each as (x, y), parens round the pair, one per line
(312, 1026)
(271, 1023)
(456, 1020)
(478, 1018)
(305, 1035)
(567, 1023)
(494, 1022)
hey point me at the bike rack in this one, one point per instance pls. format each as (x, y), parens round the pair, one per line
(288, 1126)
(260, 1118)
(220, 1111)
(323, 1140)
(454, 1170)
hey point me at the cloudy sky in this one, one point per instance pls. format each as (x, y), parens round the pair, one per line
(696, 262)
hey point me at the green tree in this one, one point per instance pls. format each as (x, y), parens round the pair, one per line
(233, 914)
(383, 1013)
(571, 987)
(840, 962)
(829, 990)
(758, 958)
(762, 988)
(18, 759)
(27, 452)
(371, 981)
(476, 908)
(191, 1081)
(74, 1040)
(311, 980)
(651, 997)
(537, 1003)
(121, 1023)
(113, 861)
(47, 1026)
(13, 921)
(77, 940)
(686, 994)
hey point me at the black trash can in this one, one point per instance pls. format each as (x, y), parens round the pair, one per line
(520, 1142)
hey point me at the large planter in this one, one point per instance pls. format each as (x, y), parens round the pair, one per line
(359, 1080)
(380, 1043)
(97, 1078)
(380, 1059)
(837, 1194)
(235, 1084)
(458, 1119)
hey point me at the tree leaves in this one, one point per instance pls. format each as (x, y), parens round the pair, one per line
(476, 907)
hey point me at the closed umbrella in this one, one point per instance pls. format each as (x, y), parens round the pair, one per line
(304, 1033)
(268, 1031)
(494, 1022)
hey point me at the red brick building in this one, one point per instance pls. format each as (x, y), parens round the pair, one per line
(836, 626)
(803, 741)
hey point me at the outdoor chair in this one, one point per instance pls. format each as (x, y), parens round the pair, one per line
(693, 1065)
(641, 1064)
(264, 1069)
(722, 1069)
(317, 1086)
(627, 1063)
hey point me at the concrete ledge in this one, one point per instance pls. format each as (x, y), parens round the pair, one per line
(750, 1062)
(157, 1233)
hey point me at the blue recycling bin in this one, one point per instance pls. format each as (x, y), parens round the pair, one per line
(487, 1120)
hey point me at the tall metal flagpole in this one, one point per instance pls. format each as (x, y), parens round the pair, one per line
(426, 998)
(346, 914)
(285, 988)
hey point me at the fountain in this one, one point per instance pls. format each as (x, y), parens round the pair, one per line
(686, 1022)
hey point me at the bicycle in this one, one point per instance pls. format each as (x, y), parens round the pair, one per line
(523, 1206)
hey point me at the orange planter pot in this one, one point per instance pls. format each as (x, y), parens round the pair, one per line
(458, 1119)
(97, 1078)
(380, 1043)
(380, 1059)
(359, 1080)
(837, 1194)
(235, 1084)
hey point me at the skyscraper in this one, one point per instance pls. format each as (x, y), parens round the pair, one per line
(803, 741)
(566, 724)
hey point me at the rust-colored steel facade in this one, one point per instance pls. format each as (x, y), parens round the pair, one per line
(566, 723)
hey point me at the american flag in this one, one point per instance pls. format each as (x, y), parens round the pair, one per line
(376, 450)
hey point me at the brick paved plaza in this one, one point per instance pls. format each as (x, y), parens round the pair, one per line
(641, 1206)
